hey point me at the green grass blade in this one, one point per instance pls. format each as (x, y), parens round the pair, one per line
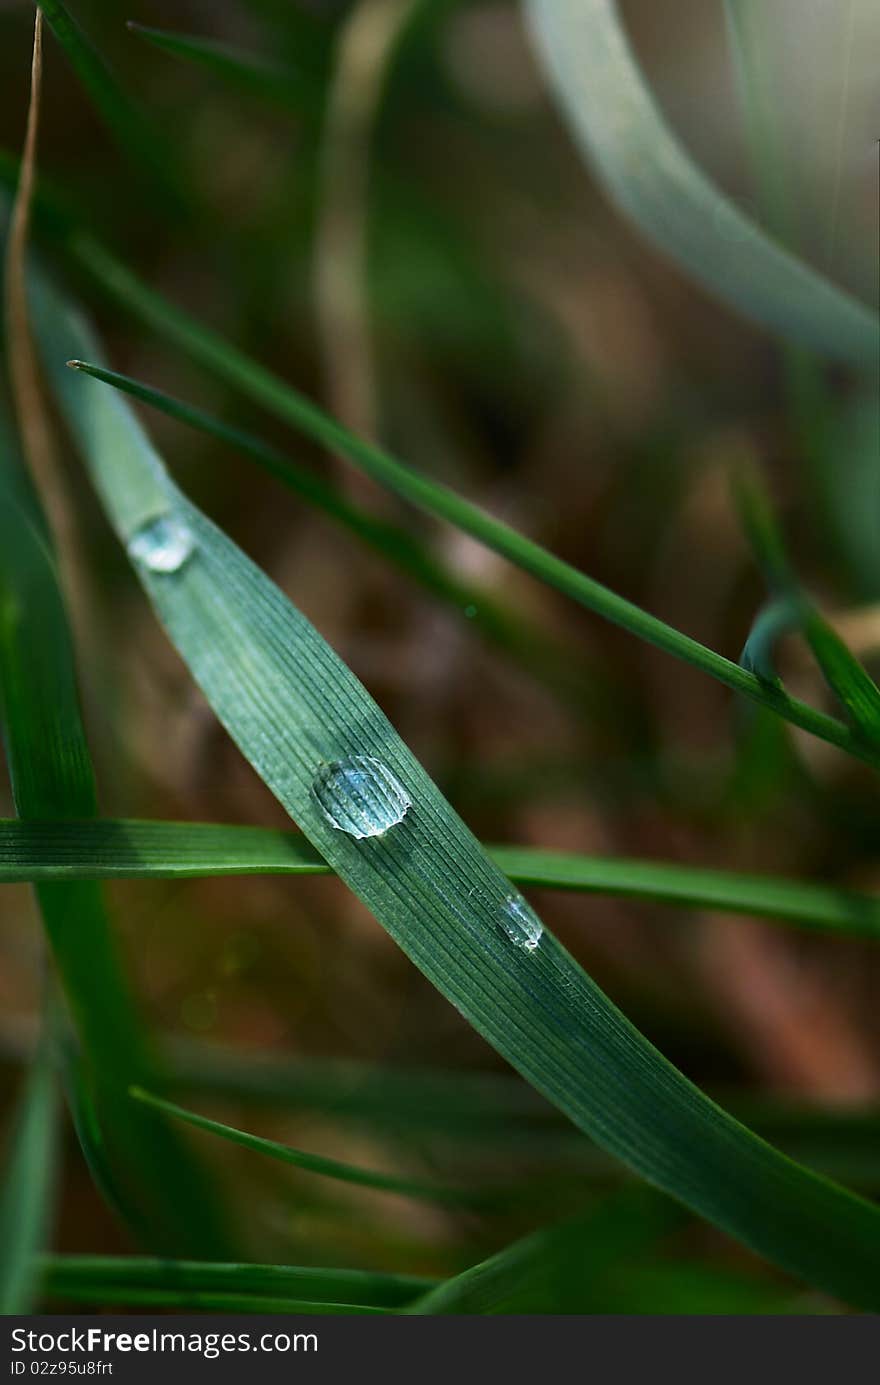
(853, 686)
(311, 1163)
(439, 500)
(292, 706)
(557, 1269)
(513, 635)
(851, 683)
(28, 1186)
(52, 777)
(86, 1272)
(204, 1300)
(620, 130)
(285, 87)
(87, 1278)
(105, 849)
(137, 141)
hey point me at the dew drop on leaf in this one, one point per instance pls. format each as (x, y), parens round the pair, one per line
(520, 923)
(360, 796)
(162, 545)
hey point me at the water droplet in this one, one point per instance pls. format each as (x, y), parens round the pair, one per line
(471, 612)
(162, 544)
(360, 796)
(520, 922)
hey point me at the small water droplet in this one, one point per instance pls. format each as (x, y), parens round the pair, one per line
(471, 612)
(360, 796)
(520, 922)
(163, 544)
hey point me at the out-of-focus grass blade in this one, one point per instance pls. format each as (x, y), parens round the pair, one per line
(851, 443)
(747, 35)
(684, 1286)
(250, 71)
(130, 849)
(312, 1163)
(128, 127)
(52, 777)
(439, 500)
(557, 1269)
(515, 636)
(90, 1278)
(295, 709)
(28, 1186)
(648, 174)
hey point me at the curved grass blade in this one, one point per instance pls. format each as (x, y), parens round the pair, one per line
(850, 682)
(312, 1163)
(89, 1278)
(105, 849)
(437, 499)
(28, 1186)
(292, 89)
(52, 776)
(618, 127)
(294, 709)
(774, 620)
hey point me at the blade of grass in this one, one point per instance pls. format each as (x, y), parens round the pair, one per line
(850, 682)
(647, 173)
(87, 1277)
(312, 1163)
(774, 620)
(293, 707)
(104, 849)
(137, 140)
(51, 772)
(52, 776)
(206, 1301)
(557, 1269)
(28, 1186)
(685, 1286)
(439, 500)
(830, 466)
(291, 88)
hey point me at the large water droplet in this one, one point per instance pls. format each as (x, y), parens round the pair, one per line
(360, 796)
(163, 544)
(520, 923)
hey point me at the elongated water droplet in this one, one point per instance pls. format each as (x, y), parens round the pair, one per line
(520, 923)
(163, 544)
(360, 796)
